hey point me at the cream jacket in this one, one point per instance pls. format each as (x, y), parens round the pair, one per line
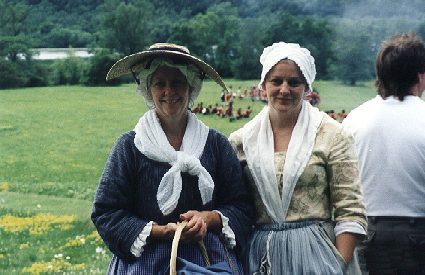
(329, 187)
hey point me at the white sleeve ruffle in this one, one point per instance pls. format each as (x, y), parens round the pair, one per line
(229, 235)
(137, 247)
(350, 227)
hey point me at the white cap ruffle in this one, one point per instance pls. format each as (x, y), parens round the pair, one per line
(301, 56)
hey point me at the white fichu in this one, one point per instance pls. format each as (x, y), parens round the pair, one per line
(151, 141)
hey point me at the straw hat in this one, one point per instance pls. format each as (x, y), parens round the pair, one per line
(131, 64)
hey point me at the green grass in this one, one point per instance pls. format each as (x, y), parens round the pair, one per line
(42, 247)
(35, 204)
(55, 139)
(336, 96)
(54, 142)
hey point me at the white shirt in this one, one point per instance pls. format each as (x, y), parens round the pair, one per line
(389, 137)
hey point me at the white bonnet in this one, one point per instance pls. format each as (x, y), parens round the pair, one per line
(301, 56)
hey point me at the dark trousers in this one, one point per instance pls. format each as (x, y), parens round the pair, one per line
(394, 245)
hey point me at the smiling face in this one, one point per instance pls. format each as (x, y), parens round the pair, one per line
(170, 93)
(285, 86)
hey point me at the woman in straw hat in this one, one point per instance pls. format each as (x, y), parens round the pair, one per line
(303, 173)
(170, 168)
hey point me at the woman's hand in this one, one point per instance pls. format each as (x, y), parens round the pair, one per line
(199, 223)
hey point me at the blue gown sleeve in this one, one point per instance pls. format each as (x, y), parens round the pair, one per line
(112, 212)
(232, 199)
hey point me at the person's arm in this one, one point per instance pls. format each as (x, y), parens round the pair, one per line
(163, 232)
(345, 194)
(345, 243)
(232, 199)
(112, 212)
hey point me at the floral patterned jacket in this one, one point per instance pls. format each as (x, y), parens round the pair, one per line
(329, 187)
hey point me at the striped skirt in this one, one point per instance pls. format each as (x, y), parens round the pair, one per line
(293, 248)
(155, 257)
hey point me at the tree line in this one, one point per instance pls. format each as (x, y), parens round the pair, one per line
(343, 35)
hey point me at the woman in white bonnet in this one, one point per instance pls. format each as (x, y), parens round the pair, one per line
(303, 173)
(170, 168)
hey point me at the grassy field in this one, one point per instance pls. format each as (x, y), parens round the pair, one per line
(54, 142)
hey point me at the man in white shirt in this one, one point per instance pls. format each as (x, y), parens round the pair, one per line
(389, 135)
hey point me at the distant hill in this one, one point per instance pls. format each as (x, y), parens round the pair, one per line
(76, 23)
(65, 23)
(342, 35)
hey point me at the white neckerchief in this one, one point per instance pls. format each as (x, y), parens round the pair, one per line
(151, 141)
(258, 145)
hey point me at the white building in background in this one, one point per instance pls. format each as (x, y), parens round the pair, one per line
(59, 53)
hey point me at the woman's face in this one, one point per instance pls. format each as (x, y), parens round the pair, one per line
(170, 93)
(285, 86)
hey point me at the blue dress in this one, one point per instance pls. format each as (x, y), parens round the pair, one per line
(126, 201)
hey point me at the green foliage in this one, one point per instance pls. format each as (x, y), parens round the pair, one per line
(187, 7)
(98, 68)
(74, 21)
(354, 62)
(16, 66)
(126, 26)
(70, 70)
(13, 39)
(311, 33)
(12, 18)
(228, 34)
(354, 54)
(15, 47)
(22, 73)
(37, 74)
(217, 37)
(66, 37)
(11, 75)
(246, 64)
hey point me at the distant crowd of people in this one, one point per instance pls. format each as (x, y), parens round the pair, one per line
(337, 116)
(227, 99)
(254, 93)
(227, 110)
(222, 111)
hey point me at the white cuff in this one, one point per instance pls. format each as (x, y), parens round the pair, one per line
(350, 227)
(229, 235)
(137, 247)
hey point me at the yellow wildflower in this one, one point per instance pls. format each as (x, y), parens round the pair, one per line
(64, 227)
(36, 225)
(23, 245)
(95, 236)
(55, 265)
(78, 241)
(4, 186)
